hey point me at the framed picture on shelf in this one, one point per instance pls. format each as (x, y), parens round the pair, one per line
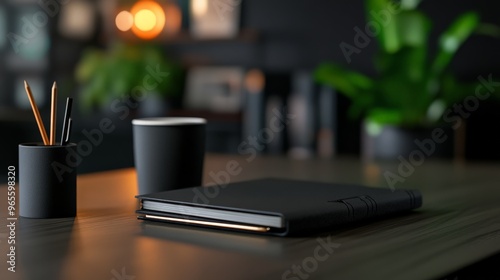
(214, 18)
(77, 20)
(216, 89)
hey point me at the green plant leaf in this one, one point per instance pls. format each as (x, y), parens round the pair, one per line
(413, 28)
(409, 62)
(348, 82)
(385, 116)
(381, 13)
(356, 86)
(410, 4)
(361, 104)
(451, 40)
(453, 91)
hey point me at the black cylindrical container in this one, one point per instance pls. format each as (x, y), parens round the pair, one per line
(168, 153)
(47, 181)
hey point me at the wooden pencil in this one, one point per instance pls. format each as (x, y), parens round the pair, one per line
(38, 118)
(53, 117)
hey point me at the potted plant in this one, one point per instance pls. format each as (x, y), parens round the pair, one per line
(117, 73)
(411, 92)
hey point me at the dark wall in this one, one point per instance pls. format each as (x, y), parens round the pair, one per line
(303, 33)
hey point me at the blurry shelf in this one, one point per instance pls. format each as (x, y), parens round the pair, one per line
(184, 37)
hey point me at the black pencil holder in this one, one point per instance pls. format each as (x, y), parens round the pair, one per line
(47, 181)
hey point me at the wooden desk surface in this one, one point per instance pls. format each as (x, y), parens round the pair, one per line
(459, 224)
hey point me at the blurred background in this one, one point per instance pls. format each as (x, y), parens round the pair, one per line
(244, 64)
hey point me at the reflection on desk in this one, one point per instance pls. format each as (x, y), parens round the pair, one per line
(266, 246)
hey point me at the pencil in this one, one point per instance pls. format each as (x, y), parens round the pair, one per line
(38, 118)
(53, 112)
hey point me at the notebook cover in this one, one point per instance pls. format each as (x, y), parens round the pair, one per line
(307, 207)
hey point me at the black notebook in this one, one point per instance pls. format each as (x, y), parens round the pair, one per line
(275, 206)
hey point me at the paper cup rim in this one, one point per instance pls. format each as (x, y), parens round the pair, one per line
(169, 121)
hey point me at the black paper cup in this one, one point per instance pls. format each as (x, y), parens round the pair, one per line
(168, 153)
(47, 181)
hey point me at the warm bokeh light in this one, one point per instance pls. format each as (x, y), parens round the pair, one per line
(199, 7)
(145, 20)
(149, 19)
(173, 15)
(124, 21)
(255, 81)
